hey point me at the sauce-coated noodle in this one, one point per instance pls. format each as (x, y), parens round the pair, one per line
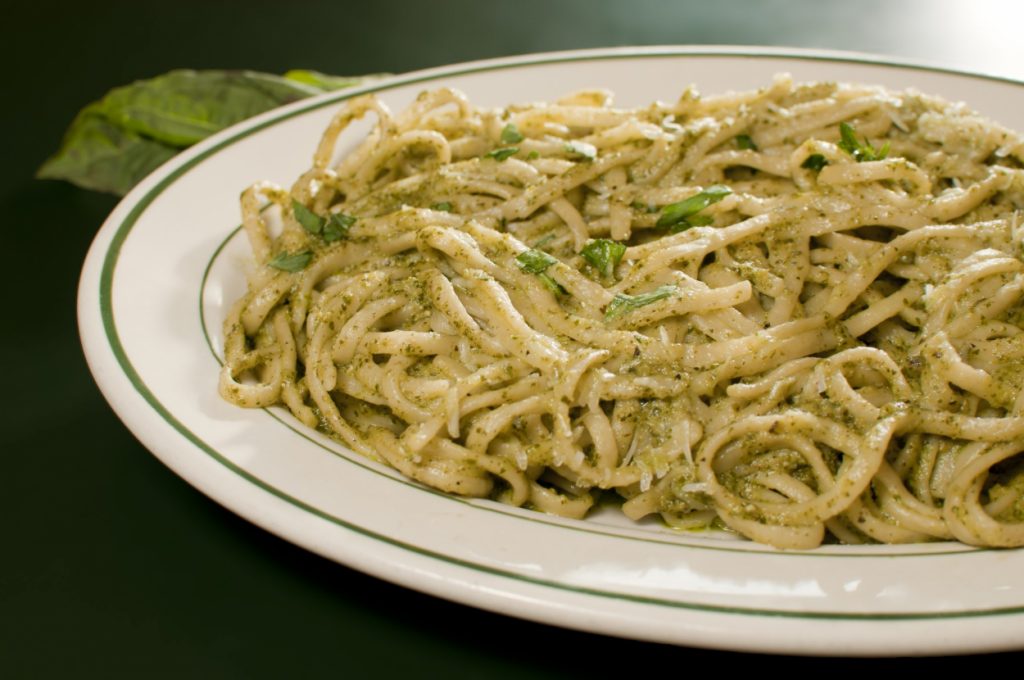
(797, 311)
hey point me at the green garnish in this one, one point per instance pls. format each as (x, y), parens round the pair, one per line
(536, 262)
(695, 221)
(337, 227)
(309, 220)
(443, 206)
(588, 151)
(861, 152)
(503, 153)
(623, 303)
(552, 285)
(325, 82)
(814, 162)
(291, 262)
(533, 155)
(116, 141)
(604, 255)
(510, 134)
(680, 216)
(745, 142)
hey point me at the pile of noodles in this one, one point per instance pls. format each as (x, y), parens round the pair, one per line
(796, 312)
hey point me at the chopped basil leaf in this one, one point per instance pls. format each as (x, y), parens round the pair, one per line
(552, 285)
(309, 220)
(861, 152)
(623, 303)
(443, 206)
(503, 153)
(681, 213)
(291, 262)
(694, 221)
(510, 134)
(533, 155)
(745, 142)
(588, 151)
(337, 227)
(534, 261)
(604, 255)
(814, 162)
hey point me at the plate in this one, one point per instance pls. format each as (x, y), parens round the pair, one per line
(166, 264)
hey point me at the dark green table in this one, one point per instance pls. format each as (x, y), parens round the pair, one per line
(113, 566)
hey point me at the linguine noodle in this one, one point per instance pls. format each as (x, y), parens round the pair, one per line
(797, 312)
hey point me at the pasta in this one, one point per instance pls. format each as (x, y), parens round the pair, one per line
(796, 313)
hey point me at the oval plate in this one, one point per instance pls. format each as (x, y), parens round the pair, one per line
(168, 262)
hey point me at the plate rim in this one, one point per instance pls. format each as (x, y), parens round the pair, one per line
(105, 250)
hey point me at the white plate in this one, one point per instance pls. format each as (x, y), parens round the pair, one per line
(166, 264)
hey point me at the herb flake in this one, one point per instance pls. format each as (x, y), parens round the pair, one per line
(861, 151)
(604, 255)
(746, 142)
(510, 134)
(680, 216)
(337, 227)
(552, 285)
(623, 303)
(502, 153)
(536, 262)
(309, 220)
(291, 262)
(814, 162)
(443, 206)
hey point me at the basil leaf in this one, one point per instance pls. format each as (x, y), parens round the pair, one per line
(814, 162)
(309, 220)
(604, 255)
(184, 107)
(623, 303)
(326, 83)
(534, 261)
(98, 155)
(115, 142)
(510, 134)
(501, 154)
(861, 152)
(337, 227)
(291, 262)
(745, 142)
(443, 206)
(588, 151)
(677, 213)
(552, 285)
(692, 221)
(533, 155)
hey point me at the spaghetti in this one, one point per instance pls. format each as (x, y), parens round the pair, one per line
(796, 312)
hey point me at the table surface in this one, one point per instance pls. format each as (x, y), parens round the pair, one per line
(112, 564)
